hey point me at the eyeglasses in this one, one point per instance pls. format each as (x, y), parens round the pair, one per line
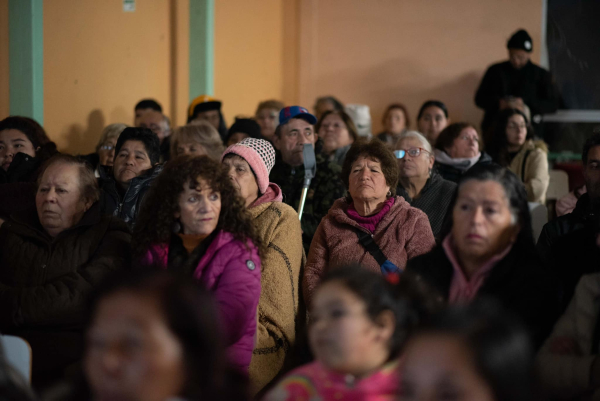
(107, 147)
(516, 126)
(412, 152)
(469, 138)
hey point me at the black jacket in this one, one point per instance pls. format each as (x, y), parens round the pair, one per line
(518, 282)
(18, 184)
(128, 206)
(452, 173)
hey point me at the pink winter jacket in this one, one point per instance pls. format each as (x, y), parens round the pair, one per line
(403, 233)
(231, 270)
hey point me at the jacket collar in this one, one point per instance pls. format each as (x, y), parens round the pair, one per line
(339, 214)
(272, 194)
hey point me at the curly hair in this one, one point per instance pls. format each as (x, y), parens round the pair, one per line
(157, 215)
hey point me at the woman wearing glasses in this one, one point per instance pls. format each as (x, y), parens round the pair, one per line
(457, 149)
(105, 150)
(512, 146)
(418, 184)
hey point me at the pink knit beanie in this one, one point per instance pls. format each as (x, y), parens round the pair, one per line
(259, 154)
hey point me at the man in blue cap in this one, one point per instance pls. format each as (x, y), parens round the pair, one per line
(296, 128)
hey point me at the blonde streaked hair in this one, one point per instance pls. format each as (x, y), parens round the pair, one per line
(111, 131)
(203, 134)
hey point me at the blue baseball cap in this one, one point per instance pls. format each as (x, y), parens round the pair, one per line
(287, 113)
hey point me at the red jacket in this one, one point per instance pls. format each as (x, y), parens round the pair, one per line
(403, 233)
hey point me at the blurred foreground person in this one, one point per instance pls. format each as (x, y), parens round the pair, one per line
(197, 139)
(267, 116)
(432, 119)
(357, 329)
(194, 223)
(472, 353)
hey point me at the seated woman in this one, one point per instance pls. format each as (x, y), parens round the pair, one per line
(338, 132)
(395, 122)
(195, 223)
(457, 150)
(420, 185)
(358, 327)
(371, 214)
(52, 257)
(488, 250)
(135, 167)
(278, 227)
(241, 129)
(432, 119)
(105, 149)
(267, 116)
(161, 335)
(196, 139)
(513, 147)
(476, 352)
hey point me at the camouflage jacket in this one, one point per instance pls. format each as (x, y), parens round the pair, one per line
(324, 189)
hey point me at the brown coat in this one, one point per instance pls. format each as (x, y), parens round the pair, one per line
(533, 171)
(403, 233)
(282, 259)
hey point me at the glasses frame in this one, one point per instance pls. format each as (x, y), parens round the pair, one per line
(401, 153)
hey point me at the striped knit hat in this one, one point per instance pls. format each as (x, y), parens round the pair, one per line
(259, 154)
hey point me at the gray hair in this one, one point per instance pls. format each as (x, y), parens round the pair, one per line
(417, 135)
(111, 131)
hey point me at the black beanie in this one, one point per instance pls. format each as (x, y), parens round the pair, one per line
(520, 40)
(246, 126)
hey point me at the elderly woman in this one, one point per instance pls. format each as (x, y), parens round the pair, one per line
(488, 251)
(395, 122)
(432, 119)
(194, 223)
(105, 149)
(513, 147)
(457, 149)
(418, 184)
(249, 163)
(267, 116)
(52, 257)
(371, 226)
(338, 132)
(196, 139)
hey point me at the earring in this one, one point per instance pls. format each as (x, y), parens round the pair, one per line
(176, 227)
(389, 193)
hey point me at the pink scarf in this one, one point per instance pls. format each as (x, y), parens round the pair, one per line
(370, 222)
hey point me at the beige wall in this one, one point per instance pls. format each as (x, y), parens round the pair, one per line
(4, 106)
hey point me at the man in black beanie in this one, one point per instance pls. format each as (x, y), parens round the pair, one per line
(516, 83)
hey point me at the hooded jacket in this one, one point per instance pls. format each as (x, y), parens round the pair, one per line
(403, 233)
(230, 269)
(531, 166)
(279, 308)
(128, 206)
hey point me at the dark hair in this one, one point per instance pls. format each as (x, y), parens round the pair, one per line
(449, 134)
(515, 194)
(88, 184)
(32, 130)
(246, 126)
(374, 149)
(435, 103)
(591, 142)
(499, 345)
(350, 126)
(191, 315)
(337, 105)
(402, 107)
(157, 215)
(148, 104)
(144, 135)
(379, 296)
(496, 139)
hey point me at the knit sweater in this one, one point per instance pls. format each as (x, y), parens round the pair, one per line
(278, 308)
(402, 234)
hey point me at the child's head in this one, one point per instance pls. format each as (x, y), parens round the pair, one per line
(357, 324)
(468, 353)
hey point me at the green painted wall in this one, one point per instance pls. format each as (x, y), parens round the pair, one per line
(202, 27)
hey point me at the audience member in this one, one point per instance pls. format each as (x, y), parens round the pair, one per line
(158, 123)
(432, 119)
(207, 108)
(420, 185)
(512, 146)
(327, 103)
(357, 330)
(197, 139)
(296, 127)
(395, 122)
(135, 167)
(52, 257)
(105, 149)
(469, 353)
(195, 223)
(371, 226)
(488, 250)
(145, 106)
(249, 163)
(516, 83)
(457, 150)
(338, 132)
(266, 116)
(13, 386)
(151, 337)
(241, 129)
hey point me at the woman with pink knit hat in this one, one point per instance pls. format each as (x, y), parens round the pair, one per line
(278, 227)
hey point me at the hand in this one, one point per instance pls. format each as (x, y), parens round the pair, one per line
(565, 346)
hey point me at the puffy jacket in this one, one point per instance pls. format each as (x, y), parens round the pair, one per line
(531, 166)
(453, 173)
(127, 207)
(231, 270)
(45, 281)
